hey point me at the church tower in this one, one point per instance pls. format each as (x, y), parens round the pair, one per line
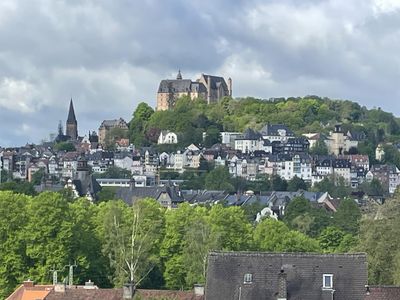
(72, 124)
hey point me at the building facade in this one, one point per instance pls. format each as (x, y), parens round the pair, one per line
(208, 87)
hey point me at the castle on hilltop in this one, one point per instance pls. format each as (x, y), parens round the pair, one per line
(210, 88)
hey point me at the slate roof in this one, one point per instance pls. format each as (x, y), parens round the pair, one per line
(304, 271)
(71, 114)
(130, 195)
(273, 129)
(216, 81)
(180, 86)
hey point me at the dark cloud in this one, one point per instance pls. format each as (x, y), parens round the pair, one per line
(110, 55)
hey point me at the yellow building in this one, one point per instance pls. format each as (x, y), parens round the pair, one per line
(210, 88)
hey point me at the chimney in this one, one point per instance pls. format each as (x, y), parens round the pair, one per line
(89, 285)
(230, 86)
(282, 285)
(129, 291)
(131, 184)
(199, 290)
(28, 283)
(59, 288)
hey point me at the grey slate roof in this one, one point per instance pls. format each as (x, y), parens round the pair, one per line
(226, 270)
(272, 129)
(180, 86)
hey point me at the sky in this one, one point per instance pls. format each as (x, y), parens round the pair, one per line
(110, 55)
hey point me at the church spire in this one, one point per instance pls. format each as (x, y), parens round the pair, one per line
(71, 114)
(179, 76)
(72, 124)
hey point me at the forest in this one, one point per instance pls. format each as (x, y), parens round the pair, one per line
(50, 230)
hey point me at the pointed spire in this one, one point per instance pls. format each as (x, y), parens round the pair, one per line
(179, 76)
(71, 113)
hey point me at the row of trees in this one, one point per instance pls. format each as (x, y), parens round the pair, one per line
(155, 248)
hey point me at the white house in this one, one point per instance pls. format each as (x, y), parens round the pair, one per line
(167, 137)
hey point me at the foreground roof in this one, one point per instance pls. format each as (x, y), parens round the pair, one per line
(304, 274)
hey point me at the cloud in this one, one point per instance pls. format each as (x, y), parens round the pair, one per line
(110, 55)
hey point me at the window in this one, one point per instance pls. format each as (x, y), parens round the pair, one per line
(327, 281)
(248, 278)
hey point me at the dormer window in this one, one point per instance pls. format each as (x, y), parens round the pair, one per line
(248, 278)
(327, 281)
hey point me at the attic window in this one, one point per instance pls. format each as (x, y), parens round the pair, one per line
(248, 278)
(327, 281)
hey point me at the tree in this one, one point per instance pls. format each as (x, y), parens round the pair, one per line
(275, 236)
(114, 172)
(295, 184)
(347, 216)
(38, 176)
(330, 239)
(213, 136)
(218, 179)
(230, 227)
(65, 146)
(49, 235)
(198, 241)
(131, 238)
(20, 187)
(319, 148)
(278, 183)
(13, 259)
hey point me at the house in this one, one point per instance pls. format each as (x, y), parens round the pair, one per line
(312, 138)
(342, 169)
(276, 132)
(272, 276)
(168, 195)
(107, 125)
(379, 152)
(208, 87)
(167, 137)
(338, 142)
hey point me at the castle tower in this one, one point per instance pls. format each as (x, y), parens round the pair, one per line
(72, 124)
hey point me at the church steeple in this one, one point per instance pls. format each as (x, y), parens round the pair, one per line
(72, 124)
(179, 76)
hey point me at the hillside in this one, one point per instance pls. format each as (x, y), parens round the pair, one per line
(308, 114)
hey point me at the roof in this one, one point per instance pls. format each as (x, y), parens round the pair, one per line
(180, 86)
(30, 292)
(383, 293)
(274, 129)
(71, 113)
(215, 81)
(304, 273)
(166, 294)
(130, 195)
(86, 294)
(114, 123)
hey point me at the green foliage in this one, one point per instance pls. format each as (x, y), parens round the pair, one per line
(218, 179)
(107, 193)
(65, 146)
(272, 235)
(319, 148)
(302, 216)
(21, 187)
(347, 216)
(114, 172)
(38, 176)
(296, 184)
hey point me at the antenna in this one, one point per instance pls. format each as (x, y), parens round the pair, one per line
(54, 271)
(71, 274)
